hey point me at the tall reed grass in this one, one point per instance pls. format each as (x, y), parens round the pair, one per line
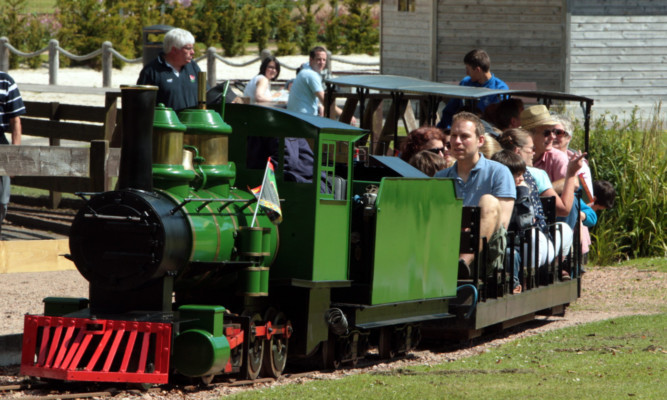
(632, 155)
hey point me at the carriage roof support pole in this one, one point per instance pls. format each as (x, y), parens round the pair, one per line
(396, 98)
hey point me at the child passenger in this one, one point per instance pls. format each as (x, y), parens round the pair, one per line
(523, 214)
(428, 162)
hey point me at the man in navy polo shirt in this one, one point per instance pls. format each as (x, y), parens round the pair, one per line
(174, 72)
(11, 108)
(480, 182)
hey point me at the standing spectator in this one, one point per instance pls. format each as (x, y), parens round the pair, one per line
(478, 71)
(11, 108)
(307, 92)
(259, 87)
(174, 72)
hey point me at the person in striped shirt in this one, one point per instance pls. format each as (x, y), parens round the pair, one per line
(11, 108)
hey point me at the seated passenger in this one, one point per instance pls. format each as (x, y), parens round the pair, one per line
(483, 183)
(508, 114)
(427, 138)
(603, 200)
(605, 195)
(259, 87)
(523, 217)
(520, 142)
(428, 162)
(542, 127)
(563, 132)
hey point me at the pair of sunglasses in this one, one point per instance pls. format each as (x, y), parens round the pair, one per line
(557, 132)
(437, 150)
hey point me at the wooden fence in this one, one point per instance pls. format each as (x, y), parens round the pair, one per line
(85, 168)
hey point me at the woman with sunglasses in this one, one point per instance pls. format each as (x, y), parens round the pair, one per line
(542, 127)
(426, 138)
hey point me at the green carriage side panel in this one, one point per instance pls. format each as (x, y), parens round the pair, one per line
(416, 241)
(331, 242)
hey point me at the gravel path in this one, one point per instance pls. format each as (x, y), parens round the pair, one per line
(607, 293)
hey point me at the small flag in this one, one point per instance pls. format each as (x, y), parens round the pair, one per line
(267, 195)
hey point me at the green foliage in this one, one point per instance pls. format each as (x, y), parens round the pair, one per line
(26, 32)
(234, 29)
(308, 27)
(263, 25)
(208, 28)
(332, 29)
(632, 156)
(361, 35)
(183, 15)
(86, 24)
(286, 29)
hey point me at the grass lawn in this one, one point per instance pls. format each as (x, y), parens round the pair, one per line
(614, 359)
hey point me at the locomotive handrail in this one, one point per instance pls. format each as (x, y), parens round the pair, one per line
(113, 217)
(207, 202)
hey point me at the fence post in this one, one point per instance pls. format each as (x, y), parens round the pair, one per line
(54, 61)
(210, 66)
(264, 54)
(4, 54)
(99, 153)
(107, 63)
(328, 66)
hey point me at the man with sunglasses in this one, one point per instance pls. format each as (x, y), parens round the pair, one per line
(538, 121)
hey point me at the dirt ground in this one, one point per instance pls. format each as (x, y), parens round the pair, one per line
(607, 293)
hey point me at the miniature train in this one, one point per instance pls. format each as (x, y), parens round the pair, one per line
(189, 275)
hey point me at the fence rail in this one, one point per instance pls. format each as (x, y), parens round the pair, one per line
(107, 52)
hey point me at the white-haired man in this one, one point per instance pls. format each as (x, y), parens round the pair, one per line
(173, 71)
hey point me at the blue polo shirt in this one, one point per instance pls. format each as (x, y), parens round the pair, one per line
(486, 177)
(302, 96)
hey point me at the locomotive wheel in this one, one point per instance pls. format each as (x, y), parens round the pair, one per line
(386, 346)
(255, 349)
(275, 355)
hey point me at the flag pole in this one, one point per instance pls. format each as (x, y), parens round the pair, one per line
(259, 197)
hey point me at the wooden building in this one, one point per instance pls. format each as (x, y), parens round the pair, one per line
(614, 51)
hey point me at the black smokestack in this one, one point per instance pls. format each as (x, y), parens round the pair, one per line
(136, 167)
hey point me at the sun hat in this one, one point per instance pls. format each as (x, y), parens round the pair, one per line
(534, 116)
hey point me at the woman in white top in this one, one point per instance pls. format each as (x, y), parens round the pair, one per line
(259, 87)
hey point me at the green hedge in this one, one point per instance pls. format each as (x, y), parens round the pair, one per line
(632, 155)
(81, 26)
